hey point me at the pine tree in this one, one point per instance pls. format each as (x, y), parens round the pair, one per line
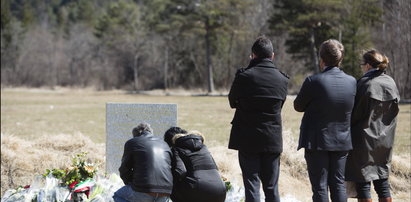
(208, 19)
(308, 23)
(356, 36)
(120, 29)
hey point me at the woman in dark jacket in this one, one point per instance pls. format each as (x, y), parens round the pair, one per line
(196, 177)
(373, 123)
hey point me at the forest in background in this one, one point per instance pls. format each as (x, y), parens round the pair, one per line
(191, 44)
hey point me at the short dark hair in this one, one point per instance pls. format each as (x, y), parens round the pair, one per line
(332, 52)
(169, 134)
(141, 129)
(262, 47)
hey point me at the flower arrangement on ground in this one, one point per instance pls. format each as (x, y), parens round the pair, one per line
(70, 184)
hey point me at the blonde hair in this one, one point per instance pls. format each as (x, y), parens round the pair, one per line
(375, 59)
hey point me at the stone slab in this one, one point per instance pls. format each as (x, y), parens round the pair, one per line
(121, 118)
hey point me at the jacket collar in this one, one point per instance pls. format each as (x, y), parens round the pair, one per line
(145, 134)
(373, 72)
(329, 68)
(264, 62)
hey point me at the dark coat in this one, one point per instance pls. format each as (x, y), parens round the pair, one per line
(196, 177)
(258, 94)
(146, 165)
(374, 120)
(327, 100)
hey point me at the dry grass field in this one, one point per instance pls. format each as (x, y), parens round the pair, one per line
(41, 128)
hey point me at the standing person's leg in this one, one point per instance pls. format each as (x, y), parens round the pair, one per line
(363, 191)
(317, 166)
(382, 187)
(270, 171)
(336, 175)
(250, 167)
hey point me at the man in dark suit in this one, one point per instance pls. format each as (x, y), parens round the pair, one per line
(258, 94)
(327, 100)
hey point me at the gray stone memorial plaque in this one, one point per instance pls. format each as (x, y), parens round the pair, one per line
(122, 118)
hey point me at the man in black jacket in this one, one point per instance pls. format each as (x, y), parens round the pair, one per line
(258, 94)
(145, 168)
(327, 100)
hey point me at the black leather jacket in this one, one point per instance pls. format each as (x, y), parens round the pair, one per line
(146, 165)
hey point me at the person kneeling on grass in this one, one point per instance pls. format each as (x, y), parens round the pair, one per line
(145, 168)
(196, 177)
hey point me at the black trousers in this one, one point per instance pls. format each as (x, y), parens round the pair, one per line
(326, 169)
(256, 167)
(382, 187)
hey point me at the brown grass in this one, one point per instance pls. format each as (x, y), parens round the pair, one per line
(293, 168)
(22, 159)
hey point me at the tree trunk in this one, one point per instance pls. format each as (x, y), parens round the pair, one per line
(135, 71)
(166, 68)
(208, 56)
(51, 63)
(353, 48)
(71, 73)
(314, 56)
(230, 48)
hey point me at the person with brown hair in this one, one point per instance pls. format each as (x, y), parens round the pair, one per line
(374, 119)
(327, 100)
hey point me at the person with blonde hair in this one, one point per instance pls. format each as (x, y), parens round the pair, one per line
(327, 100)
(196, 176)
(373, 123)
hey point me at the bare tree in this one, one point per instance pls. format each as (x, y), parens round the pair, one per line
(395, 42)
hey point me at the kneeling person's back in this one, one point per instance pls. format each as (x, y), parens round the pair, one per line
(150, 160)
(196, 176)
(145, 167)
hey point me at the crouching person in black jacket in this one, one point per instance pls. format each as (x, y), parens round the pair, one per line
(145, 168)
(196, 177)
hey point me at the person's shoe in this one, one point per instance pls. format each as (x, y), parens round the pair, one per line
(364, 200)
(389, 199)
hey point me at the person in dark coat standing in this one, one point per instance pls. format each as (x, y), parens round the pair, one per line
(327, 100)
(145, 168)
(258, 94)
(374, 119)
(196, 177)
